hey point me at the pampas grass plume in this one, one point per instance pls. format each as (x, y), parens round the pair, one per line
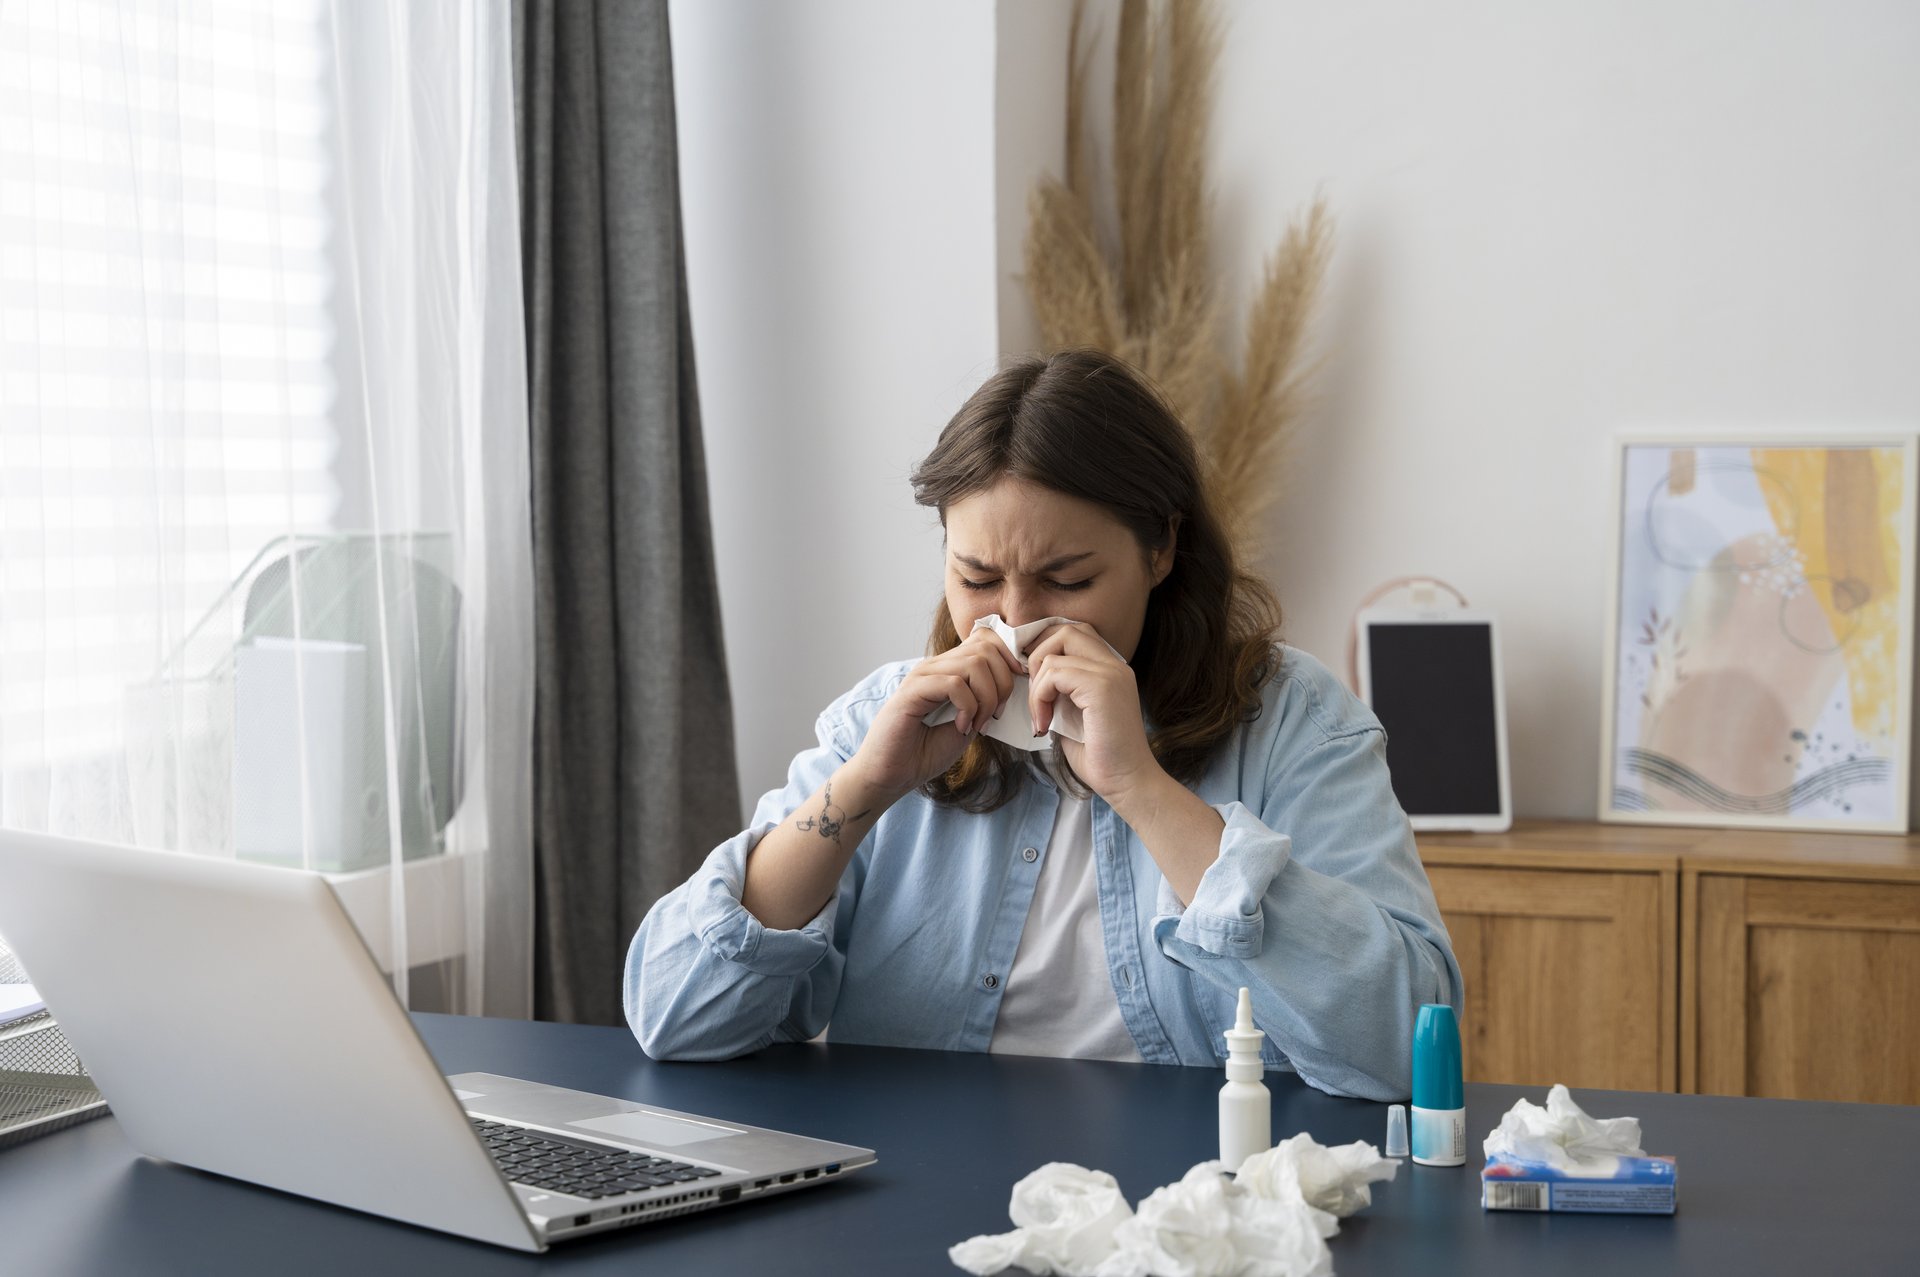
(1150, 300)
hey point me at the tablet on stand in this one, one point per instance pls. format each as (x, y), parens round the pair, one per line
(1432, 677)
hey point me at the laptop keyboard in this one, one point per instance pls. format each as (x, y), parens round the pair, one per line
(582, 1170)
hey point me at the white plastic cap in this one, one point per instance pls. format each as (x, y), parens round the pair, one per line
(1243, 1044)
(1397, 1130)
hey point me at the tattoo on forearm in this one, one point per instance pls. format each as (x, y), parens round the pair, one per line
(831, 819)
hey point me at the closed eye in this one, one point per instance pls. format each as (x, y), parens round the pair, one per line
(1056, 585)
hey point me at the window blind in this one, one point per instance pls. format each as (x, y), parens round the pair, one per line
(166, 321)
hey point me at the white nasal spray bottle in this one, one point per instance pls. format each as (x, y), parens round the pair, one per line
(1246, 1110)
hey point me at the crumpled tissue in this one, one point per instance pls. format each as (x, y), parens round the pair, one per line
(1064, 1217)
(1562, 1136)
(1337, 1181)
(1015, 725)
(1271, 1221)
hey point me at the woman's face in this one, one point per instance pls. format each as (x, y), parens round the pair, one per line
(1026, 551)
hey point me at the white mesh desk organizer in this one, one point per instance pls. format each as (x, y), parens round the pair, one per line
(43, 1085)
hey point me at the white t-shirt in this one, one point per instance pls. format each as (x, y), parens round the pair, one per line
(1059, 997)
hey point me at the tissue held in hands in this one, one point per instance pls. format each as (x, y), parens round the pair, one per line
(1015, 726)
(1272, 1221)
(1558, 1158)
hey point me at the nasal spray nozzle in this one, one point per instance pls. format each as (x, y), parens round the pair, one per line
(1246, 1110)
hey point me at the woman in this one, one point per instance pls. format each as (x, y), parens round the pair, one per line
(1224, 820)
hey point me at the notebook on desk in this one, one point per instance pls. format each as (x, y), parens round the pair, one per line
(301, 1071)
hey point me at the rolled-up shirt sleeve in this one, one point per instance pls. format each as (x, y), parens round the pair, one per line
(705, 980)
(1227, 916)
(1319, 905)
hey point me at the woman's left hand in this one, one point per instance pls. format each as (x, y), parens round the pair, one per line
(1071, 660)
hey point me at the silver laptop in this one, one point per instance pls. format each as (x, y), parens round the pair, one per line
(236, 1023)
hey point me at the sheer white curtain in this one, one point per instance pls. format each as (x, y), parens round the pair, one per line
(265, 581)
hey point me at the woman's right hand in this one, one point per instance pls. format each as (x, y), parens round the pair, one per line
(902, 753)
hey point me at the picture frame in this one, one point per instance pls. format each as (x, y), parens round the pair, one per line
(1759, 653)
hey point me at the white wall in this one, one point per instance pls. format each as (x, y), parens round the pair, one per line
(836, 168)
(1554, 220)
(1030, 129)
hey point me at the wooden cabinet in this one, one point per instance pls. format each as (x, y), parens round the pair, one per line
(1569, 955)
(1721, 961)
(1805, 956)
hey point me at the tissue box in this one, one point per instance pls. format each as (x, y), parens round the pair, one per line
(1632, 1186)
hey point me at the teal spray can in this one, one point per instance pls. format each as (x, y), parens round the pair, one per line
(1439, 1092)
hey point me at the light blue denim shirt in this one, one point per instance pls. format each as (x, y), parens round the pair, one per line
(1317, 902)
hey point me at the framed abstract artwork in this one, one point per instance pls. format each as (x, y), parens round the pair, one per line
(1760, 631)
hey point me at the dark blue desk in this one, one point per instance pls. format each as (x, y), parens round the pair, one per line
(954, 1132)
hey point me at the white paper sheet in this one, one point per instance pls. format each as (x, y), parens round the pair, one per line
(18, 1001)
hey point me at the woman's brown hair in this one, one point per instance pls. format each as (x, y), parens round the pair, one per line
(1085, 423)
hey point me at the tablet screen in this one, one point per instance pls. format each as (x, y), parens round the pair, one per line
(1432, 689)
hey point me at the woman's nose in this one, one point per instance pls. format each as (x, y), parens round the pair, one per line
(1017, 608)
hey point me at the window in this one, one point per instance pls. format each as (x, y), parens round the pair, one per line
(166, 336)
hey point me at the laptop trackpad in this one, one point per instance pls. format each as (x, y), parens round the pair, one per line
(655, 1128)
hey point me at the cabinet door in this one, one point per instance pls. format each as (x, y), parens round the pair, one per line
(1808, 990)
(1570, 976)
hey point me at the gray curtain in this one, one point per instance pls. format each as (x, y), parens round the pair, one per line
(634, 774)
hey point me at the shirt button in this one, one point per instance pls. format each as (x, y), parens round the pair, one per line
(1030, 855)
(989, 981)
